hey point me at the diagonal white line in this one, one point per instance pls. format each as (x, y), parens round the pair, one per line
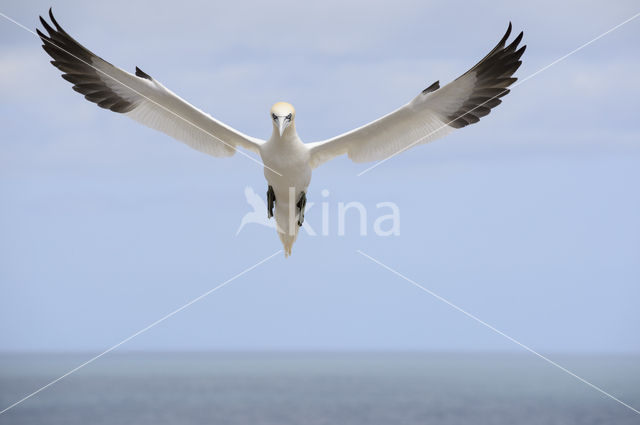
(146, 328)
(544, 68)
(482, 322)
(142, 95)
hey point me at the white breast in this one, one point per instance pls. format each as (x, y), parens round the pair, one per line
(289, 157)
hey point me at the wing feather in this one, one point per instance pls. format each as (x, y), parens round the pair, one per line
(139, 96)
(434, 113)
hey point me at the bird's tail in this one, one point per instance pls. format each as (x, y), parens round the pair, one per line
(286, 225)
(287, 241)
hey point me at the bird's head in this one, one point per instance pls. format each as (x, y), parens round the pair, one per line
(282, 116)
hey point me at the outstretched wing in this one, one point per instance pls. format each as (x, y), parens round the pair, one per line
(433, 113)
(139, 96)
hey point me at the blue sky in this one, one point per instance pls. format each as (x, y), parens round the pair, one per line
(528, 219)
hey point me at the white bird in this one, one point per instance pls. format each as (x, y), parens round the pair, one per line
(288, 162)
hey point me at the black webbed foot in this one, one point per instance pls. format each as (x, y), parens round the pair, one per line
(271, 200)
(302, 202)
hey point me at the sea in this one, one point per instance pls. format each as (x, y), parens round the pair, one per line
(319, 388)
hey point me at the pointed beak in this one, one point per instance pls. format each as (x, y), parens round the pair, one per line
(283, 123)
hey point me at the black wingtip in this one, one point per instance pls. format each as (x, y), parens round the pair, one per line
(140, 73)
(46, 26)
(53, 20)
(518, 39)
(42, 36)
(506, 35)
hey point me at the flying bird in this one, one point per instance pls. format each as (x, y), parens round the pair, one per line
(288, 162)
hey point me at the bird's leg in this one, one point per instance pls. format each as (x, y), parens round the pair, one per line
(302, 202)
(271, 200)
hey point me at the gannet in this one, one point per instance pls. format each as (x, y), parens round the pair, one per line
(288, 162)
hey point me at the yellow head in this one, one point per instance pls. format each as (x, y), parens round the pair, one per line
(282, 116)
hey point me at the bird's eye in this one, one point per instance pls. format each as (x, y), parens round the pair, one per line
(289, 117)
(274, 116)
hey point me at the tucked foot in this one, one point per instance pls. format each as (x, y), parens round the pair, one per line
(302, 202)
(271, 201)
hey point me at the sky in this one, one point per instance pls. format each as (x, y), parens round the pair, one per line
(529, 220)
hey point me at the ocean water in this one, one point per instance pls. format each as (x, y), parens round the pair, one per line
(280, 388)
